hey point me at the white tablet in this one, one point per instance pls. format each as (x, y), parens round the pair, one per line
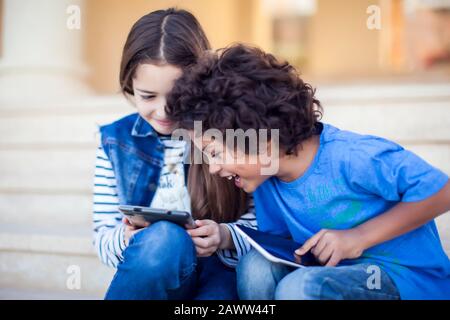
(275, 248)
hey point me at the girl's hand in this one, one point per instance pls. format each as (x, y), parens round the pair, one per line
(208, 237)
(331, 246)
(130, 230)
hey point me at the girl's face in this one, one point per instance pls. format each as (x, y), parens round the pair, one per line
(151, 84)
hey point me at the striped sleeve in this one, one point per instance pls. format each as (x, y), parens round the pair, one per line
(108, 229)
(242, 246)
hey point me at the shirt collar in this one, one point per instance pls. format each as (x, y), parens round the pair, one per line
(142, 128)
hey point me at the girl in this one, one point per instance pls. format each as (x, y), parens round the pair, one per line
(138, 164)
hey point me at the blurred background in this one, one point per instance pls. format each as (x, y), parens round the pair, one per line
(380, 67)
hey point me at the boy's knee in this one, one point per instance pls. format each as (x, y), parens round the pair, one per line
(252, 266)
(301, 284)
(254, 277)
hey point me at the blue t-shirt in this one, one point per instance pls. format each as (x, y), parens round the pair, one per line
(352, 179)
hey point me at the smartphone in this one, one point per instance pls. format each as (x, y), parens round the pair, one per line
(141, 216)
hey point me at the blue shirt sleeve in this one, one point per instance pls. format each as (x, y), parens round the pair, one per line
(385, 169)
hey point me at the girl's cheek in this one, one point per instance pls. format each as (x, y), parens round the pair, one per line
(144, 108)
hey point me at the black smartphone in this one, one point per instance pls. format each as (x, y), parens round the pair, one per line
(140, 216)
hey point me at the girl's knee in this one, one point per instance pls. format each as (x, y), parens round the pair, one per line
(165, 230)
(161, 244)
(163, 234)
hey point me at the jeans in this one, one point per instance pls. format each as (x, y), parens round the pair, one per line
(260, 279)
(160, 263)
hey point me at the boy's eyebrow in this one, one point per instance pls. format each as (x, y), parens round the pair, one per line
(145, 91)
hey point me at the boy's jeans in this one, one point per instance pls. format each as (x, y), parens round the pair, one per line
(258, 278)
(160, 263)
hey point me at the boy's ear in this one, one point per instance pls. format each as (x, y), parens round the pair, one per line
(269, 154)
(272, 148)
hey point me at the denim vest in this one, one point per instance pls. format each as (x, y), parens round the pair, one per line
(137, 157)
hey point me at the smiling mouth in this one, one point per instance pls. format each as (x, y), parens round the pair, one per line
(164, 122)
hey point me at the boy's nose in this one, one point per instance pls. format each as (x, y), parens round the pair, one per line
(214, 168)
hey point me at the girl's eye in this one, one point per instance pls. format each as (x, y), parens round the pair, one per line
(147, 97)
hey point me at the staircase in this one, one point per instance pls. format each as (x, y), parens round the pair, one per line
(46, 168)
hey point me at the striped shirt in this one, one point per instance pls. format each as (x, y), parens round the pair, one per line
(108, 229)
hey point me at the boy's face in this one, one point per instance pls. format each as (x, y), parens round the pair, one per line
(245, 169)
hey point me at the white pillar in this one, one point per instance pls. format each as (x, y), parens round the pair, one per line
(41, 58)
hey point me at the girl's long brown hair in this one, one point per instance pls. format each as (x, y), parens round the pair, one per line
(175, 37)
(213, 197)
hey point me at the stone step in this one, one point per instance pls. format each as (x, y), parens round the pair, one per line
(402, 122)
(387, 91)
(48, 239)
(42, 210)
(54, 272)
(53, 130)
(49, 259)
(68, 171)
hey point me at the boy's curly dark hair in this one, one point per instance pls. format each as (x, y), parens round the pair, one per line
(242, 87)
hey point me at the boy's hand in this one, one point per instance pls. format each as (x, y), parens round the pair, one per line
(207, 238)
(331, 246)
(130, 230)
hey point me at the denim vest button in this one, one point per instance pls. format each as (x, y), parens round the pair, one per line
(159, 148)
(152, 187)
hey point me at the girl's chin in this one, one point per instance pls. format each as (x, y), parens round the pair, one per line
(164, 129)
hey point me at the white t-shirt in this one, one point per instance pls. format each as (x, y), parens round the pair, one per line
(172, 193)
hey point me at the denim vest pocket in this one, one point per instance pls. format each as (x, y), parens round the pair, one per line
(136, 172)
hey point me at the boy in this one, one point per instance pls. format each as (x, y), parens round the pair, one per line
(363, 205)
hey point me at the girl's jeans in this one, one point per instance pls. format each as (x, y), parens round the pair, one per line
(258, 278)
(160, 263)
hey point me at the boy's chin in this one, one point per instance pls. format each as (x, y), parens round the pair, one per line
(252, 185)
(249, 188)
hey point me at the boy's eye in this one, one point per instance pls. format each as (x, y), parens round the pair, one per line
(147, 97)
(215, 155)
